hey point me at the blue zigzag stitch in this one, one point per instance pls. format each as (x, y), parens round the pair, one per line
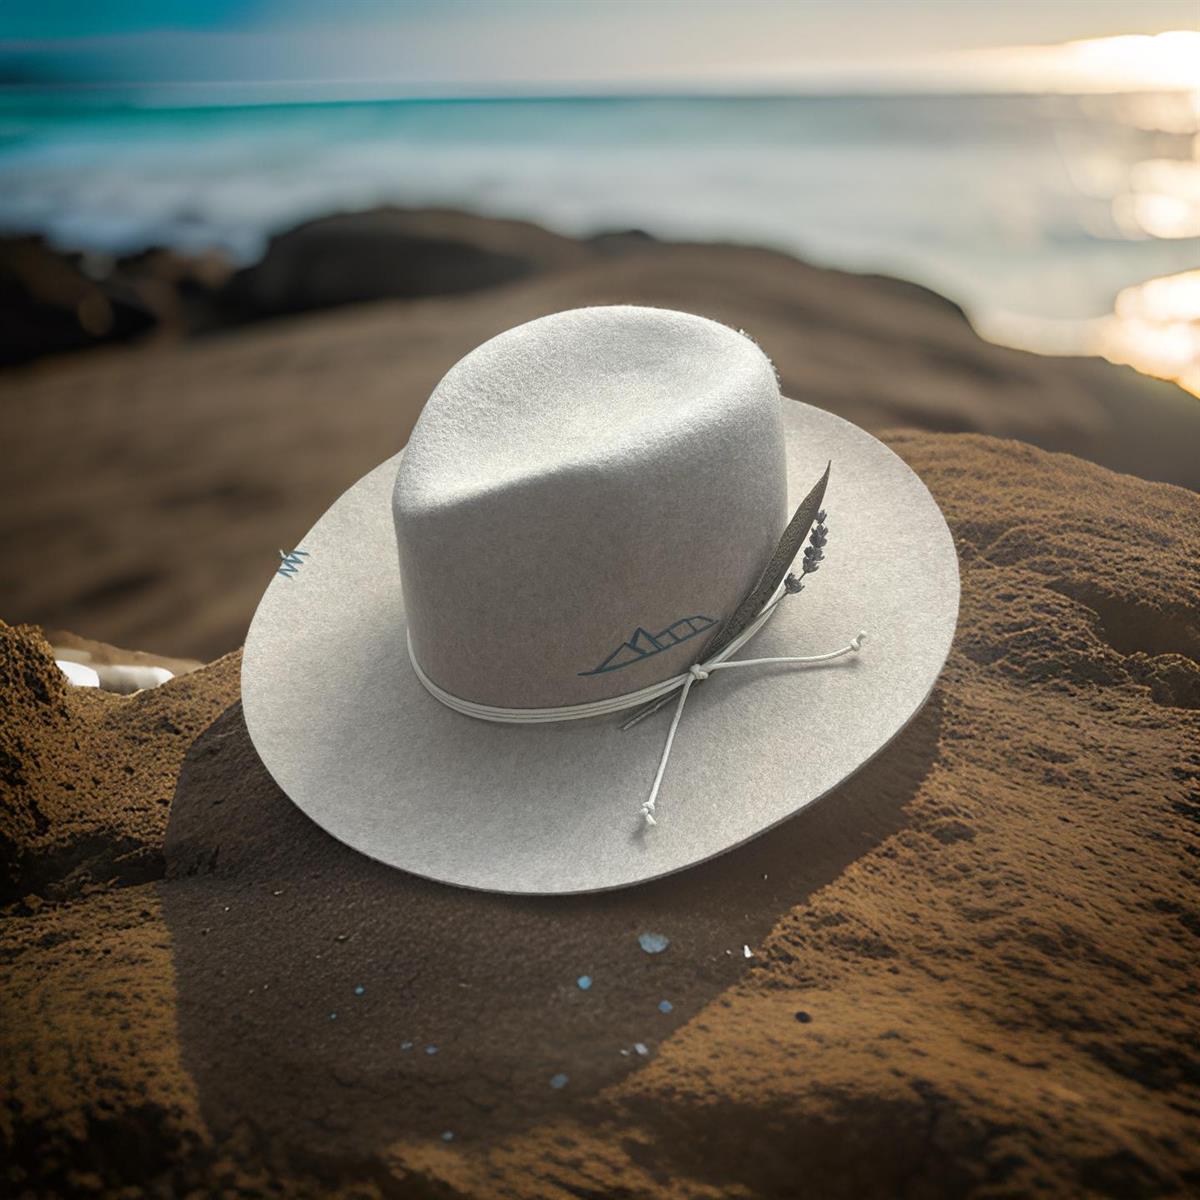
(291, 563)
(643, 644)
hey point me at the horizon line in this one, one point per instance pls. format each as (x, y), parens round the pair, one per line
(219, 91)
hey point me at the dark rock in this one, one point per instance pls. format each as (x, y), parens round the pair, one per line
(388, 254)
(49, 305)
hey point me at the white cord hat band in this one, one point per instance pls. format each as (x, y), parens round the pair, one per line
(647, 695)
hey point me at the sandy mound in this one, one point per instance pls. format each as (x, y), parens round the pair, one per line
(149, 490)
(88, 782)
(973, 967)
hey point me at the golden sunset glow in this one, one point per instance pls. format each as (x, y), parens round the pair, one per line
(1138, 62)
(1162, 200)
(1156, 329)
(1158, 62)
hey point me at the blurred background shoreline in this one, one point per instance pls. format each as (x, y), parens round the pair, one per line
(1061, 223)
(264, 230)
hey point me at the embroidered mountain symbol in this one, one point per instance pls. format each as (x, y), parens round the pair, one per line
(643, 644)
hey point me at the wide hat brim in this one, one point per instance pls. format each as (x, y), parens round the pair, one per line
(344, 726)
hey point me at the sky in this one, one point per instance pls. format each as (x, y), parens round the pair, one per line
(532, 46)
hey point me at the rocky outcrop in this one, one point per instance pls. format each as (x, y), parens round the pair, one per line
(53, 302)
(386, 254)
(50, 305)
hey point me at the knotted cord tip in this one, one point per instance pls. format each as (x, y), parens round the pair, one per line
(857, 640)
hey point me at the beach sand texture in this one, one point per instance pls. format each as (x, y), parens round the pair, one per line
(973, 966)
(148, 489)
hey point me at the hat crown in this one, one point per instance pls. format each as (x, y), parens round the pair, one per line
(582, 502)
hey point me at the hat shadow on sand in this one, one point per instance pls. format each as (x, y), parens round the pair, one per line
(313, 982)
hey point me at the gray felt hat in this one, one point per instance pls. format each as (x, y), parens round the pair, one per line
(504, 658)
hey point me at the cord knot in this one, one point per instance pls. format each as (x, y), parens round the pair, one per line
(697, 672)
(857, 640)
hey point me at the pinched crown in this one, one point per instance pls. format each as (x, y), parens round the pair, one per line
(582, 499)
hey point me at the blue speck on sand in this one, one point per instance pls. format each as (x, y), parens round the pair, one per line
(559, 1081)
(640, 1047)
(653, 943)
(431, 1049)
(333, 1016)
(585, 982)
(406, 1045)
(665, 1006)
(358, 991)
(448, 1136)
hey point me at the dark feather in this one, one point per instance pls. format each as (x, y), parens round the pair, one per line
(773, 573)
(771, 577)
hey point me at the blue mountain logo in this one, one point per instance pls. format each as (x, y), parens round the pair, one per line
(644, 644)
